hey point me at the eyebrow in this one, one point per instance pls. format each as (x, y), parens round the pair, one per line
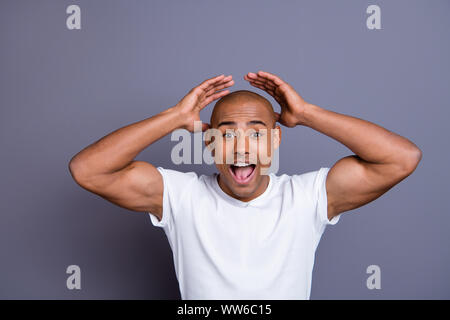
(225, 123)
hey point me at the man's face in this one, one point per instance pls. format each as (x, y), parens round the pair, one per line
(246, 140)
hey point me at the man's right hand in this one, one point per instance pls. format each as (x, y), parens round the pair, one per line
(199, 97)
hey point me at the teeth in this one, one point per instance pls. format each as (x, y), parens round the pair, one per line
(241, 164)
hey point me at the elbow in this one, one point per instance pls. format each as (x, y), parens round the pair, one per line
(411, 161)
(77, 172)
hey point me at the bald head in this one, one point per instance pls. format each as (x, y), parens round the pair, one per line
(242, 101)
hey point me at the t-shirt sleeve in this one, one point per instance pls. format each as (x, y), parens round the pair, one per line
(314, 185)
(176, 187)
(320, 198)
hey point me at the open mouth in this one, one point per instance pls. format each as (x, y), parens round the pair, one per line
(242, 172)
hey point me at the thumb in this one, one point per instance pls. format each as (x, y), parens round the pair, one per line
(205, 126)
(277, 116)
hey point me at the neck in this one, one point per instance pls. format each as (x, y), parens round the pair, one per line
(259, 190)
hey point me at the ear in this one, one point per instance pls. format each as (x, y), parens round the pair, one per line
(208, 140)
(208, 144)
(276, 137)
(209, 135)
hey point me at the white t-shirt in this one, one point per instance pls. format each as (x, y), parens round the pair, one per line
(224, 248)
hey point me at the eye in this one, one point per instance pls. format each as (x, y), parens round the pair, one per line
(228, 135)
(256, 134)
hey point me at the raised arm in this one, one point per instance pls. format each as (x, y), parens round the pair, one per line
(108, 169)
(382, 158)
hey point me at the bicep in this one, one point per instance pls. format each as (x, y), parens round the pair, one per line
(353, 182)
(137, 187)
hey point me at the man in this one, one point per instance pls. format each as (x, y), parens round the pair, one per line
(242, 233)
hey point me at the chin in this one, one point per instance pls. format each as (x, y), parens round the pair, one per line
(241, 186)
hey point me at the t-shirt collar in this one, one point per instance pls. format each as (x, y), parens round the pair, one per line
(238, 202)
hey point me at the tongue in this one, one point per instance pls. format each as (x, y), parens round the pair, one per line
(243, 172)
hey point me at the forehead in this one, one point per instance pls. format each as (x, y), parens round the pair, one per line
(242, 111)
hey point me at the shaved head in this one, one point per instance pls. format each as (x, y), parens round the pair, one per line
(242, 99)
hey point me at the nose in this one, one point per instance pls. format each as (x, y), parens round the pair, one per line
(241, 144)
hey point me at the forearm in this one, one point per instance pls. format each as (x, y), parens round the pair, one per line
(116, 150)
(369, 141)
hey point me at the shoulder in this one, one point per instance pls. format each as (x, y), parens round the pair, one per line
(178, 175)
(306, 179)
(182, 181)
(310, 182)
(309, 178)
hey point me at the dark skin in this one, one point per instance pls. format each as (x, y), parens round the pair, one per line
(381, 158)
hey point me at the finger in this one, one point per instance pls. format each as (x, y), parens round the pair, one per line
(205, 85)
(215, 86)
(277, 98)
(268, 83)
(257, 85)
(258, 80)
(211, 81)
(265, 84)
(271, 92)
(276, 80)
(251, 75)
(213, 97)
(219, 87)
(256, 76)
(264, 81)
(262, 88)
(205, 126)
(277, 116)
(222, 80)
(268, 90)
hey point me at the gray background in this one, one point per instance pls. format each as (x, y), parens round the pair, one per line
(64, 89)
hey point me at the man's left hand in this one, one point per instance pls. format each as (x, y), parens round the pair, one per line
(292, 104)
